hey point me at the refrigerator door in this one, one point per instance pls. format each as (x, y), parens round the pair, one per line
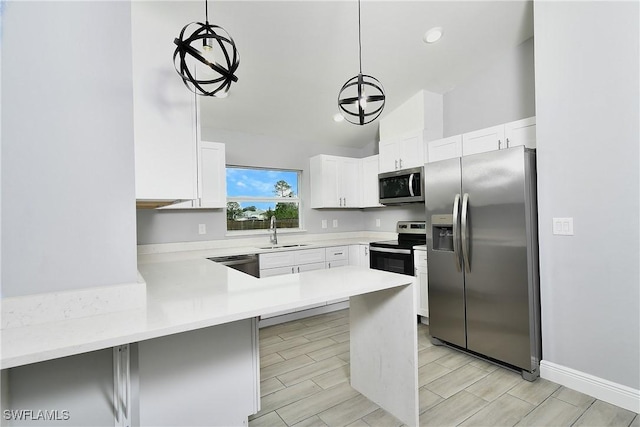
(446, 278)
(495, 246)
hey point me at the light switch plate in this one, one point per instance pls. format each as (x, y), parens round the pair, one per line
(377, 222)
(202, 228)
(563, 226)
(324, 223)
(335, 223)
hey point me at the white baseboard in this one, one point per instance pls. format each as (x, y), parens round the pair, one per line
(605, 390)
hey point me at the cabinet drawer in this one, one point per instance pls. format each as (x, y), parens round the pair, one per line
(277, 259)
(337, 253)
(309, 256)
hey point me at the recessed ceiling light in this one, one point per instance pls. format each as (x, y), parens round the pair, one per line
(337, 117)
(433, 35)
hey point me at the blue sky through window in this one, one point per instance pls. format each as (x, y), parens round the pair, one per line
(242, 182)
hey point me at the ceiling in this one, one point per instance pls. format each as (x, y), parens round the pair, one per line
(296, 55)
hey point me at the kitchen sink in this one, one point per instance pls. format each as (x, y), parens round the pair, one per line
(283, 246)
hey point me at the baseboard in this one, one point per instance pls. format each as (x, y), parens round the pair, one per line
(605, 390)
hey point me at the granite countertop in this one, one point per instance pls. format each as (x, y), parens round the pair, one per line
(185, 291)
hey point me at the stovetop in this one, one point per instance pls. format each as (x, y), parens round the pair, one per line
(410, 234)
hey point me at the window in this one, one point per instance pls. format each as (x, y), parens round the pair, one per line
(255, 195)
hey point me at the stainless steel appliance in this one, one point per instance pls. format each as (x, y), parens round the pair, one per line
(397, 255)
(403, 186)
(483, 256)
(244, 263)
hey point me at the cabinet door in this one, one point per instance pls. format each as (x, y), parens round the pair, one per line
(310, 267)
(309, 256)
(164, 110)
(277, 271)
(422, 290)
(389, 152)
(212, 185)
(324, 181)
(277, 259)
(446, 148)
(369, 182)
(359, 255)
(521, 132)
(338, 263)
(411, 150)
(483, 140)
(349, 185)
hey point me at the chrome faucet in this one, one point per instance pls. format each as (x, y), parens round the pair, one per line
(273, 237)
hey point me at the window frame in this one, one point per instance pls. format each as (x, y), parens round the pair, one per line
(239, 199)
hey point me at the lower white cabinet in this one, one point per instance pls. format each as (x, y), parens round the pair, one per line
(359, 255)
(422, 284)
(209, 376)
(337, 256)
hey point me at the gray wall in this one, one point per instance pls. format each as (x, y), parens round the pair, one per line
(587, 101)
(502, 93)
(68, 216)
(164, 226)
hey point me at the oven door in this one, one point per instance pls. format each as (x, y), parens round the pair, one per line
(396, 260)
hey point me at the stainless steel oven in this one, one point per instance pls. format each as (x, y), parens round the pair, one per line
(397, 255)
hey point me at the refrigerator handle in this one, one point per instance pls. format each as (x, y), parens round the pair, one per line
(465, 232)
(456, 232)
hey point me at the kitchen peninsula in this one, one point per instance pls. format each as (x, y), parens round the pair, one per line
(198, 326)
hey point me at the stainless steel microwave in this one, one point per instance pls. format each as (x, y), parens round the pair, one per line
(403, 186)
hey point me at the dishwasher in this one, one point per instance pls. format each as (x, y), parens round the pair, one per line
(244, 263)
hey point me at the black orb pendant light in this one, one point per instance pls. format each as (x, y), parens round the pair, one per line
(208, 67)
(361, 98)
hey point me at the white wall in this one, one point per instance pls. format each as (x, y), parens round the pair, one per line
(68, 202)
(587, 107)
(502, 93)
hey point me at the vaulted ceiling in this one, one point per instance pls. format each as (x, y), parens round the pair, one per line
(296, 55)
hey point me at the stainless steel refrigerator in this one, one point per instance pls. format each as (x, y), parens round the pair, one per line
(483, 256)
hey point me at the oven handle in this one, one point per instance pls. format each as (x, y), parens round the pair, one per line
(390, 250)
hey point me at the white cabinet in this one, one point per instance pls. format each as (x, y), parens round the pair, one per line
(212, 182)
(401, 153)
(445, 148)
(290, 262)
(519, 132)
(483, 140)
(359, 255)
(164, 110)
(422, 285)
(370, 168)
(335, 182)
(337, 256)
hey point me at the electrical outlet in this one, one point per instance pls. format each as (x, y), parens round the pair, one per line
(324, 223)
(335, 223)
(563, 226)
(377, 222)
(202, 228)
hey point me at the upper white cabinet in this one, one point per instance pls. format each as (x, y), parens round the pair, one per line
(446, 148)
(369, 182)
(212, 183)
(402, 152)
(164, 110)
(335, 182)
(519, 132)
(483, 140)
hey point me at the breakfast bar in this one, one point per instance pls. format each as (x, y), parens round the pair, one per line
(199, 323)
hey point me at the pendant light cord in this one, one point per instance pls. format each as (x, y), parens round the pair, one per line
(359, 38)
(206, 11)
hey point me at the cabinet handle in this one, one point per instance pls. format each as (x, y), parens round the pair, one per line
(345, 202)
(507, 142)
(396, 167)
(298, 269)
(366, 251)
(292, 270)
(499, 145)
(400, 163)
(329, 265)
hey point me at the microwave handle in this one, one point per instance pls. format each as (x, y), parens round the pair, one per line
(411, 185)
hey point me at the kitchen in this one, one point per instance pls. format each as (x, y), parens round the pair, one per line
(55, 208)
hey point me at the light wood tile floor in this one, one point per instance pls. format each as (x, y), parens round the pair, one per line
(305, 382)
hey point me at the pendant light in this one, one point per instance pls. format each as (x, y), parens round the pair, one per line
(361, 98)
(206, 58)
